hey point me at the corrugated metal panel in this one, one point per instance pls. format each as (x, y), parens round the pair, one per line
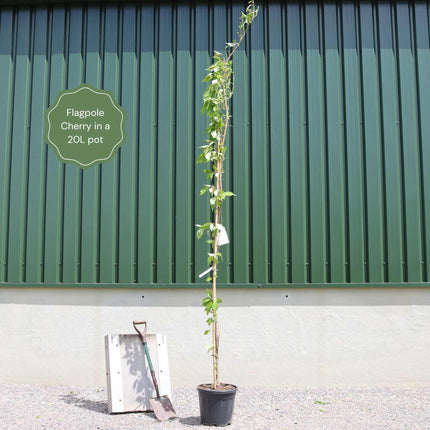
(328, 150)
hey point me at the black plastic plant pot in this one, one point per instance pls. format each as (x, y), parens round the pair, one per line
(216, 407)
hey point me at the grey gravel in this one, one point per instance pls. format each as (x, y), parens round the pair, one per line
(59, 407)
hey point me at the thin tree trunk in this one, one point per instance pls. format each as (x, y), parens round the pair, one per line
(215, 335)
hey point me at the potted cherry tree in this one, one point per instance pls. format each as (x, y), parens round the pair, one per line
(216, 398)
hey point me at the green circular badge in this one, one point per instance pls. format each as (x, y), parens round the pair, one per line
(85, 126)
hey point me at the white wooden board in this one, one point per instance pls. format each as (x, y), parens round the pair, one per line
(129, 382)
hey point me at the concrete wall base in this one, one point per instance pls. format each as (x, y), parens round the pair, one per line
(274, 338)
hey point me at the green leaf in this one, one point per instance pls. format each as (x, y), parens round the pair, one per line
(209, 174)
(201, 159)
(204, 189)
(206, 332)
(203, 227)
(199, 233)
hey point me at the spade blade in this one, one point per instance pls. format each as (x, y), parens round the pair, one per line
(163, 408)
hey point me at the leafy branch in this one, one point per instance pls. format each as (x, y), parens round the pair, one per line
(216, 98)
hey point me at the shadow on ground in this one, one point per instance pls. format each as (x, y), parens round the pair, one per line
(190, 421)
(101, 407)
(91, 405)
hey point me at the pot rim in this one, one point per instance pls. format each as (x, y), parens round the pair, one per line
(232, 390)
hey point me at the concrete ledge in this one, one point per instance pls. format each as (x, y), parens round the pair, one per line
(283, 337)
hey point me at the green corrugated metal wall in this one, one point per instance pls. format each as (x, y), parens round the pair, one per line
(329, 151)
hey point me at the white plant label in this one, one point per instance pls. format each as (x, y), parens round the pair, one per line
(205, 272)
(222, 236)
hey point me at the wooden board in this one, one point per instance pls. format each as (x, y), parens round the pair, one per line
(129, 382)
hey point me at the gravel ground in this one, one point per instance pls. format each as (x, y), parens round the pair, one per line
(59, 407)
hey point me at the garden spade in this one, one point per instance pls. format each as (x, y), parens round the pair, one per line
(161, 405)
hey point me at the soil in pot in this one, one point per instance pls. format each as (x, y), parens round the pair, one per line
(216, 406)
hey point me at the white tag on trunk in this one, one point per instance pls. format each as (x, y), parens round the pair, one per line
(205, 272)
(222, 237)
